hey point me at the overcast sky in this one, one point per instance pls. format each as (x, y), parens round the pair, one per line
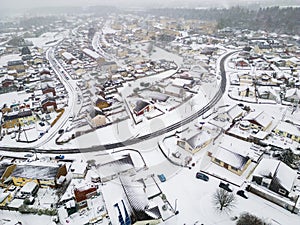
(133, 3)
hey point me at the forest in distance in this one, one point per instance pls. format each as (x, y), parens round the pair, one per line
(281, 20)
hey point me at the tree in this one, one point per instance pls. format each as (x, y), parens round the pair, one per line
(287, 157)
(248, 219)
(224, 200)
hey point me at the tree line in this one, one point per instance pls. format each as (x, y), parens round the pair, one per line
(271, 19)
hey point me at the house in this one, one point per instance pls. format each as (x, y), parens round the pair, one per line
(292, 95)
(44, 175)
(285, 129)
(100, 102)
(245, 79)
(265, 92)
(175, 91)
(30, 188)
(229, 154)
(48, 103)
(7, 81)
(259, 120)
(92, 54)
(241, 63)
(230, 160)
(5, 171)
(17, 65)
(18, 118)
(98, 121)
(48, 88)
(78, 170)
(83, 194)
(247, 91)
(139, 209)
(225, 119)
(275, 176)
(141, 107)
(112, 169)
(68, 57)
(196, 142)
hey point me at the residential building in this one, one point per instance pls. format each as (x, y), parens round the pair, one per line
(275, 176)
(285, 129)
(45, 176)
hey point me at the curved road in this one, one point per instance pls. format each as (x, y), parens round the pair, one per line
(136, 140)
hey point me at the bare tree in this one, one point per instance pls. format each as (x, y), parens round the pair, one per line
(248, 219)
(224, 200)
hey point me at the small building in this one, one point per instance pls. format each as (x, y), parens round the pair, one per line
(285, 129)
(259, 120)
(92, 54)
(111, 170)
(83, 194)
(48, 103)
(100, 102)
(141, 107)
(48, 88)
(78, 169)
(5, 171)
(140, 211)
(68, 57)
(275, 176)
(292, 95)
(175, 91)
(30, 188)
(196, 142)
(230, 160)
(17, 65)
(98, 121)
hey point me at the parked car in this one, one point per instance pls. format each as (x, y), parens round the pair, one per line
(242, 193)
(59, 157)
(161, 177)
(225, 187)
(202, 176)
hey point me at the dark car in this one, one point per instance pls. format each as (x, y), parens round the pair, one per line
(59, 157)
(242, 193)
(225, 187)
(202, 176)
(162, 177)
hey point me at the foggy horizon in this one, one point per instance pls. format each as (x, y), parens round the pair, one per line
(28, 4)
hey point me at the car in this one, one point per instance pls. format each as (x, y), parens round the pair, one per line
(59, 157)
(242, 193)
(202, 176)
(225, 187)
(161, 177)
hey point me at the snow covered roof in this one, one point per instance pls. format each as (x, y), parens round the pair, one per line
(235, 112)
(114, 167)
(260, 117)
(78, 168)
(198, 139)
(275, 169)
(3, 196)
(91, 53)
(285, 175)
(36, 172)
(293, 93)
(231, 158)
(288, 127)
(140, 105)
(68, 56)
(29, 187)
(181, 82)
(138, 201)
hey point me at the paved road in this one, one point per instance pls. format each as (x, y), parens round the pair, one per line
(136, 140)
